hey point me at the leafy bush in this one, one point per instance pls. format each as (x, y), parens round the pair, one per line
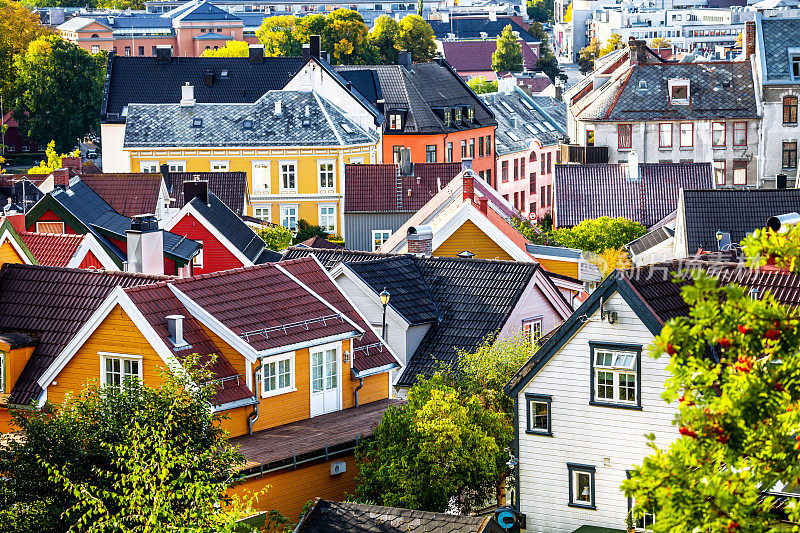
(277, 238)
(598, 234)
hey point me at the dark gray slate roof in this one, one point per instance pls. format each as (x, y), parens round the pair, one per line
(737, 211)
(202, 11)
(519, 122)
(590, 191)
(553, 108)
(779, 34)
(427, 86)
(554, 251)
(471, 28)
(155, 125)
(650, 239)
(128, 80)
(346, 517)
(717, 89)
(330, 258)
(230, 187)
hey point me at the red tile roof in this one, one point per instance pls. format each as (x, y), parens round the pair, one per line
(477, 55)
(128, 194)
(381, 189)
(52, 249)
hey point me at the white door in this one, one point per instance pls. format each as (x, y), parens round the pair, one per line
(325, 397)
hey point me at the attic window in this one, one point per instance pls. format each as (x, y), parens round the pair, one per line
(642, 85)
(347, 128)
(448, 117)
(526, 104)
(395, 121)
(531, 129)
(795, 61)
(247, 124)
(679, 92)
(458, 115)
(548, 126)
(471, 113)
(197, 123)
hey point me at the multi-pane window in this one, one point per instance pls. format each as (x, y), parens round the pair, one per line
(480, 146)
(463, 148)
(380, 236)
(261, 213)
(260, 177)
(539, 414)
(471, 114)
(197, 260)
(289, 216)
(665, 135)
(448, 117)
(789, 155)
(532, 327)
(395, 121)
(430, 153)
(624, 136)
(718, 134)
(177, 166)
(219, 166)
(516, 170)
(449, 152)
(327, 218)
(615, 377)
(740, 172)
(719, 172)
(277, 376)
(581, 485)
(289, 176)
(795, 67)
(549, 162)
(95, 49)
(504, 171)
(488, 145)
(325, 171)
(118, 370)
(687, 135)
(790, 110)
(740, 133)
(472, 147)
(458, 115)
(148, 166)
(324, 371)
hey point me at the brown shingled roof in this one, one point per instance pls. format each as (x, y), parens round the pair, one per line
(128, 194)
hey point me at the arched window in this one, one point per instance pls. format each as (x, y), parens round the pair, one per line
(208, 48)
(790, 110)
(532, 157)
(216, 48)
(95, 36)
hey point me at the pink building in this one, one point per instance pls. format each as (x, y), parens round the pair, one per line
(527, 149)
(189, 30)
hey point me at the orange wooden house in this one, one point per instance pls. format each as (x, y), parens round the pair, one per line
(300, 375)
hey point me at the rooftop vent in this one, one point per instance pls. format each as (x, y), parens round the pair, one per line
(277, 107)
(247, 124)
(197, 122)
(466, 254)
(175, 327)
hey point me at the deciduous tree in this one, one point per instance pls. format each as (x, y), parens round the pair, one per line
(588, 54)
(231, 49)
(660, 42)
(508, 56)
(18, 28)
(614, 43)
(416, 36)
(479, 85)
(384, 36)
(540, 10)
(52, 161)
(598, 234)
(346, 37)
(281, 36)
(277, 238)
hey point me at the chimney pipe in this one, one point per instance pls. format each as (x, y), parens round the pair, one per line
(315, 45)
(255, 53)
(73, 163)
(468, 185)
(404, 59)
(187, 95)
(208, 79)
(483, 205)
(420, 240)
(195, 189)
(61, 178)
(145, 245)
(277, 107)
(175, 326)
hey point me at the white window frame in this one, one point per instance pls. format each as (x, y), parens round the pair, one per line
(375, 233)
(395, 121)
(332, 163)
(623, 362)
(50, 222)
(150, 167)
(173, 166)
(276, 360)
(2, 372)
(281, 176)
(320, 207)
(531, 400)
(266, 185)
(197, 260)
(104, 356)
(575, 471)
(529, 325)
(221, 166)
(265, 208)
(357, 160)
(296, 208)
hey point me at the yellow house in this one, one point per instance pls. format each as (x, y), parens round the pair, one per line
(293, 145)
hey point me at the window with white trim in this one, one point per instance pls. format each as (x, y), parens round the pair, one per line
(395, 121)
(177, 166)
(539, 414)
(289, 216)
(198, 259)
(260, 172)
(148, 166)
(581, 485)
(325, 172)
(277, 375)
(117, 369)
(532, 329)
(327, 218)
(219, 166)
(380, 236)
(2, 372)
(615, 378)
(289, 176)
(261, 213)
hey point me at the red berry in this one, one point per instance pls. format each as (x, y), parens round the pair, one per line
(733, 526)
(688, 432)
(772, 334)
(744, 329)
(671, 349)
(724, 342)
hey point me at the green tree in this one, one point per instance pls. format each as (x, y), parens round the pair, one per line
(118, 459)
(479, 85)
(598, 234)
(120, 4)
(540, 10)
(438, 448)
(306, 231)
(59, 91)
(53, 161)
(18, 28)
(384, 36)
(416, 36)
(614, 43)
(738, 417)
(231, 49)
(346, 38)
(277, 238)
(508, 56)
(587, 56)
(420, 8)
(549, 65)
(281, 36)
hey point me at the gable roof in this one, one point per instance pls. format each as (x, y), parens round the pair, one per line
(230, 187)
(52, 303)
(421, 91)
(471, 28)
(585, 192)
(736, 211)
(776, 36)
(520, 122)
(243, 82)
(324, 124)
(476, 56)
(318, 242)
(379, 188)
(50, 249)
(340, 517)
(127, 194)
(329, 257)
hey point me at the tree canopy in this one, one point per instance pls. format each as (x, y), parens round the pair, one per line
(540, 10)
(384, 36)
(18, 28)
(508, 56)
(660, 42)
(416, 36)
(231, 49)
(588, 54)
(479, 85)
(52, 160)
(59, 90)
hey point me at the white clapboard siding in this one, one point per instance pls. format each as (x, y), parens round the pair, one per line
(587, 434)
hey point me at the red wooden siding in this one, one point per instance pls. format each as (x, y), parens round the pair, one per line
(49, 216)
(216, 256)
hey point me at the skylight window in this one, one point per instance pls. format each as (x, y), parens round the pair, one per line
(124, 111)
(247, 124)
(531, 129)
(346, 128)
(197, 123)
(642, 85)
(508, 107)
(513, 136)
(549, 126)
(223, 73)
(526, 104)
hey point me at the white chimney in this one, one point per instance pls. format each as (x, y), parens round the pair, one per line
(277, 107)
(493, 15)
(145, 245)
(175, 326)
(633, 166)
(187, 95)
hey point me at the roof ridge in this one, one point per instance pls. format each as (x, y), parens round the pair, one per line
(84, 270)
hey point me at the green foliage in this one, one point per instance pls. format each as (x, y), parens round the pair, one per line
(614, 43)
(306, 231)
(384, 37)
(441, 446)
(123, 459)
(660, 42)
(479, 85)
(231, 49)
(277, 238)
(782, 249)
(549, 65)
(53, 161)
(416, 36)
(281, 36)
(598, 234)
(59, 91)
(18, 28)
(587, 55)
(508, 56)
(540, 10)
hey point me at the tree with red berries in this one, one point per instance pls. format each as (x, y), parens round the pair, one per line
(735, 373)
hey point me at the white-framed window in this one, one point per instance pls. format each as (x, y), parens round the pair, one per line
(581, 485)
(356, 160)
(261, 177)
(380, 236)
(288, 176)
(50, 227)
(395, 121)
(95, 49)
(262, 213)
(539, 411)
(198, 259)
(116, 368)
(532, 329)
(277, 375)
(615, 378)
(327, 217)
(687, 135)
(289, 216)
(219, 166)
(148, 166)
(327, 176)
(3, 372)
(177, 166)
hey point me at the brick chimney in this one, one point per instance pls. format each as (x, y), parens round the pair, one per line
(749, 38)
(73, 163)
(420, 240)
(468, 187)
(637, 51)
(61, 177)
(483, 205)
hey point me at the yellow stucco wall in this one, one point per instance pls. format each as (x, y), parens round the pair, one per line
(470, 237)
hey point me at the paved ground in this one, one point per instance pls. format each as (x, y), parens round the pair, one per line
(573, 73)
(85, 147)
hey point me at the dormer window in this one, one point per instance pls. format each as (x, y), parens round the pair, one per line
(395, 121)
(458, 115)
(642, 85)
(247, 124)
(448, 116)
(197, 123)
(794, 62)
(679, 92)
(470, 113)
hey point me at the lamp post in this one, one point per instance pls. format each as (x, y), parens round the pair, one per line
(385, 301)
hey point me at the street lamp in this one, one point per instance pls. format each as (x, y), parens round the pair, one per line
(385, 301)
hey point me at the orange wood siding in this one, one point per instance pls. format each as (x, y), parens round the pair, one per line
(290, 489)
(234, 421)
(236, 359)
(375, 388)
(470, 237)
(9, 255)
(116, 334)
(15, 363)
(566, 268)
(291, 406)
(5, 421)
